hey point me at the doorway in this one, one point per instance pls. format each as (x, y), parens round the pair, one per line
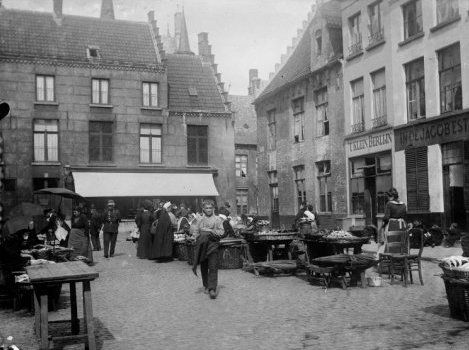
(453, 194)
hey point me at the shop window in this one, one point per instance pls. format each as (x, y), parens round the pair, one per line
(241, 165)
(417, 179)
(100, 91)
(412, 13)
(150, 94)
(242, 201)
(379, 98)
(45, 88)
(357, 186)
(197, 144)
(271, 120)
(321, 112)
(446, 10)
(101, 141)
(375, 27)
(355, 35)
(273, 183)
(449, 63)
(325, 195)
(299, 174)
(150, 143)
(415, 88)
(299, 119)
(46, 140)
(358, 114)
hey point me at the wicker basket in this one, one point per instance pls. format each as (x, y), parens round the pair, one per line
(181, 251)
(454, 272)
(457, 291)
(230, 257)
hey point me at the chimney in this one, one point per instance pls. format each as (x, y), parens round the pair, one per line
(151, 17)
(58, 5)
(107, 9)
(204, 48)
(253, 73)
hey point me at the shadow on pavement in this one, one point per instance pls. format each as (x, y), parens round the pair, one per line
(440, 310)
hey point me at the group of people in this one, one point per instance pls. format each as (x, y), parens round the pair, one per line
(157, 228)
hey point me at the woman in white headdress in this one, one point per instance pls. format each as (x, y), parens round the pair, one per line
(162, 246)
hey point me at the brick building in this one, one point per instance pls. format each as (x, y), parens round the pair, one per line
(410, 61)
(101, 95)
(300, 126)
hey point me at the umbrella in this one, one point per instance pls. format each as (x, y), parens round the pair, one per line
(26, 209)
(62, 192)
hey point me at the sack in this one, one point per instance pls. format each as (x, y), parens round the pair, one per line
(153, 226)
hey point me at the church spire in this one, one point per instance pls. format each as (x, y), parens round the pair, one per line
(184, 46)
(107, 9)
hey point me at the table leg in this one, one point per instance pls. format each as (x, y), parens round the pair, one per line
(44, 320)
(270, 256)
(88, 315)
(363, 279)
(37, 313)
(73, 306)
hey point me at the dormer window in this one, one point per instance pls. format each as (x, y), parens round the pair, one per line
(92, 52)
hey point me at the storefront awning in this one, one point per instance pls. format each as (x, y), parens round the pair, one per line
(105, 184)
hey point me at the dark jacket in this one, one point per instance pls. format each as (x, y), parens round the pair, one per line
(111, 219)
(394, 210)
(81, 222)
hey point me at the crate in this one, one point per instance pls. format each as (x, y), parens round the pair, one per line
(457, 291)
(231, 256)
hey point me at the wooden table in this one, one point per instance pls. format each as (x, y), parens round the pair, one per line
(319, 247)
(270, 245)
(67, 272)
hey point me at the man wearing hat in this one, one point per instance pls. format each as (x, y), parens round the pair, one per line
(111, 218)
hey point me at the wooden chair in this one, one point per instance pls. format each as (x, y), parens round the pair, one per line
(396, 254)
(414, 260)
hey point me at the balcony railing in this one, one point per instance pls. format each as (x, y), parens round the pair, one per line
(358, 127)
(380, 121)
(376, 37)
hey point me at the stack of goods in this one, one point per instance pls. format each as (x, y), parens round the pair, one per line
(341, 236)
(456, 277)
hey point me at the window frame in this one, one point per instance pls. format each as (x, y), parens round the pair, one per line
(198, 138)
(379, 99)
(299, 177)
(150, 94)
(45, 140)
(358, 99)
(298, 109)
(242, 208)
(324, 174)
(322, 111)
(101, 134)
(100, 91)
(45, 95)
(241, 165)
(273, 186)
(150, 138)
(272, 124)
(375, 34)
(416, 6)
(417, 83)
(455, 84)
(448, 5)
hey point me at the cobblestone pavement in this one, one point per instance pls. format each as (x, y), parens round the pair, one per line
(140, 304)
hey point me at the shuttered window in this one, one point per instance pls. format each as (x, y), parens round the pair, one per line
(417, 179)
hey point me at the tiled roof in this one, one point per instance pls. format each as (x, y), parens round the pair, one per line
(192, 85)
(298, 64)
(33, 34)
(245, 119)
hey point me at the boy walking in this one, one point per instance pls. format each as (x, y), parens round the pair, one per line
(208, 232)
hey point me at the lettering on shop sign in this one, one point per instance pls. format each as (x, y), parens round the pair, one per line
(433, 132)
(370, 141)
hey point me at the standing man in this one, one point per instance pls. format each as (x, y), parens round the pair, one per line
(111, 218)
(208, 232)
(96, 223)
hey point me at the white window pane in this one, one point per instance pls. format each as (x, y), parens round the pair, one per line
(39, 125)
(52, 147)
(51, 125)
(145, 129)
(146, 94)
(95, 88)
(104, 91)
(156, 130)
(39, 147)
(40, 89)
(156, 149)
(50, 89)
(144, 150)
(378, 79)
(154, 94)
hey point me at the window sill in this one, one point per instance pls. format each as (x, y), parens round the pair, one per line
(445, 23)
(412, 38)
(416, 120)
(46, 103)
(46, 163)
(93, 105)
(197, 166)
(354, 55)
(375, 44)
(151, 165)
(92, 164)
(150, 108)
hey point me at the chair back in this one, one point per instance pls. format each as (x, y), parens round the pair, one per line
(397, 242)
(418, 238)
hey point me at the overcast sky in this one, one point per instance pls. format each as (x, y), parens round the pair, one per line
(244, 34)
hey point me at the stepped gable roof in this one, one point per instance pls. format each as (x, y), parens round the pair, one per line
(297, 65)
(192, 85)
(245, 119)
(32, 34)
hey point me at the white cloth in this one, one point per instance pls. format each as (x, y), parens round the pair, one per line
(310, 215)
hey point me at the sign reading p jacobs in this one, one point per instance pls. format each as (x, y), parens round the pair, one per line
(433, 132)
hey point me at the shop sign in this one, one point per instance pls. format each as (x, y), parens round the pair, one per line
(433, 132)
(370, 143)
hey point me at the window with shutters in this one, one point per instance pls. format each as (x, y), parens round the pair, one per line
(417, 179)
(449, 64)
(46, 140)
(197, 145)
(273, 183)
(100, 141)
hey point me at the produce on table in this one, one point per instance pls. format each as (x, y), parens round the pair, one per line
(339, 234)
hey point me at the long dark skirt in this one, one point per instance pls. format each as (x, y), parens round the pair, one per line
(144, 244)
(80, 242)
(162, 246)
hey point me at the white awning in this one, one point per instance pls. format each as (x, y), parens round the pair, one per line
(105, 184)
